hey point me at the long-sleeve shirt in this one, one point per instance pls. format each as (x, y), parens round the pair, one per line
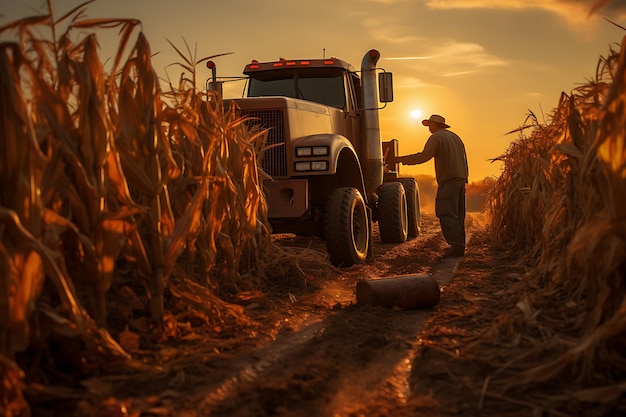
(449, 152)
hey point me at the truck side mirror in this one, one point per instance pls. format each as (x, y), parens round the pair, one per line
(385, 87)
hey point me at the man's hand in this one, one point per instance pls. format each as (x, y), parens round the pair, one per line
(397, 160)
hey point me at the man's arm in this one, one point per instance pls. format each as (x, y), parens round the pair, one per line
(430, 149)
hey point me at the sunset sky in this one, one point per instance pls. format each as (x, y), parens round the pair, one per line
(483, 64)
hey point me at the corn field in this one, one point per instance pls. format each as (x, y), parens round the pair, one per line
(560, 206)
(106, 185)
(113, 191)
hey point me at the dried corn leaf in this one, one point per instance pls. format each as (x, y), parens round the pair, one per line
(603, 395)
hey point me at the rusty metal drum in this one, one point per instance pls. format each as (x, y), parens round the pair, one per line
(403, 291)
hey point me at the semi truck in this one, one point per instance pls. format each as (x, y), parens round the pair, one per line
(327, 164)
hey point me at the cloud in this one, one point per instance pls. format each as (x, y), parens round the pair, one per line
(575, 12)
(410, 82)
(409, 58)
(387, 1)
(456, 58)
(386, 30)
(464, 58)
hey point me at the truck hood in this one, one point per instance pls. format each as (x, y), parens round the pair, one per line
(299, 117)
(279, 102)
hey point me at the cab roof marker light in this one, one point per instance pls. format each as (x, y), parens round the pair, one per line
(291, 63)
(329, 62)
(278, 64)
(254, 66)
(305, 62)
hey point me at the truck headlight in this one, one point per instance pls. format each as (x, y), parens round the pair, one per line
(312, 151)
(303, 166)
(320, 150)
(308, 151)
(311, 166)
(319, 165)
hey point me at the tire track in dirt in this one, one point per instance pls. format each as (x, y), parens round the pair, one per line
(328, 356)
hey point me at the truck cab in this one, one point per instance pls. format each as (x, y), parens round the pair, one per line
(324, 155)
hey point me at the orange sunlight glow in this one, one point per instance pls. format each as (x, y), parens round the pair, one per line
(416, 114)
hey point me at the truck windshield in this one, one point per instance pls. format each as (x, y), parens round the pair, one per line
(324, 88)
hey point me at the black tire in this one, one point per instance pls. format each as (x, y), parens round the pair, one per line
(392, 213)
(346, 227)
(412, 205)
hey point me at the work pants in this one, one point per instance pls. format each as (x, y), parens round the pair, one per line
(450, 209)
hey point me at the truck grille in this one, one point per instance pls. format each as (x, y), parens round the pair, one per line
(274, 160)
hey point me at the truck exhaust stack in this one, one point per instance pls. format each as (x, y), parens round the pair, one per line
(372, 151)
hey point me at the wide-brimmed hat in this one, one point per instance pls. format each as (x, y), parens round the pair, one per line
(435, 118)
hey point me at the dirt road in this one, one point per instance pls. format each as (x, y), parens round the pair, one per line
(310, 350)
(319, 354)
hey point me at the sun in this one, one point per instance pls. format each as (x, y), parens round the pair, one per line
(416, 114)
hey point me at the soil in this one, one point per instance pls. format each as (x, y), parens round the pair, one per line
(311, 350)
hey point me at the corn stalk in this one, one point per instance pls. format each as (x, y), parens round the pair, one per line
(560, 203)
(97, 169)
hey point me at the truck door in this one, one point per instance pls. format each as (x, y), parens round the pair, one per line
(352, 120)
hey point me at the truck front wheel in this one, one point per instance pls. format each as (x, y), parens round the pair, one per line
(346, 226)
(392, 213)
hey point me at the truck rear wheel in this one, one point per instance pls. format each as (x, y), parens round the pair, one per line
(412, 205)
(346, 226)
(392, 213)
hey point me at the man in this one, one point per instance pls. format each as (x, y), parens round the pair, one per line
(451, 173)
